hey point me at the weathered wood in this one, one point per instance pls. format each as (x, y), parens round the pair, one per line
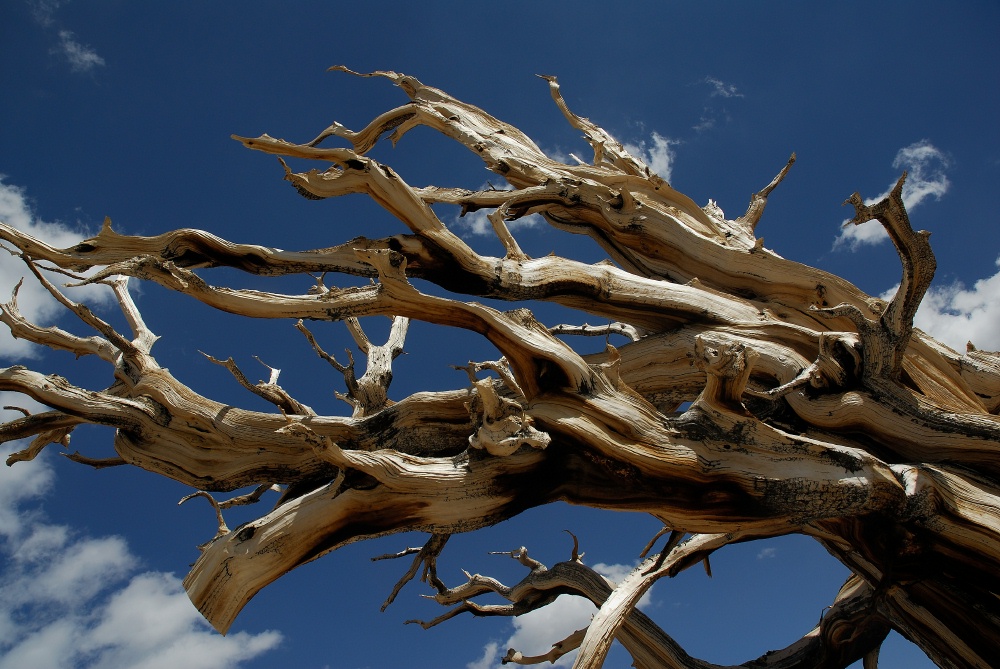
(814, 408)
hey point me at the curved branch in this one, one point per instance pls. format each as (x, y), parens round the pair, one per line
(427, 556)
(850, 628)
(759, 200)
(267, 390)
(814, 407)
(885, 342)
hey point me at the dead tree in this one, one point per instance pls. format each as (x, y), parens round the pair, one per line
(807, 406)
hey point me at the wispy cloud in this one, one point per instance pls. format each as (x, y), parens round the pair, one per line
(712, 113)
(535, 632)
(722, 89)
(42, 11)
(706, 121)
(81, 58)
(557, 154)
(658, 152)
(69, 600)
(926, 168)
(956, 314)
(34, 301)
(767, 553)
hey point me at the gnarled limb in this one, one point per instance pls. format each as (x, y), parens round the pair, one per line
(268, 390)
(850, 628)
(759, 200)
(427, 556)
(885, 341)
(839, 422)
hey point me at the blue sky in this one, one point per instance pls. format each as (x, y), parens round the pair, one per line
(125, 110)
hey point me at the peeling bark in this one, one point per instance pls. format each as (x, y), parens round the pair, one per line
(814, 408)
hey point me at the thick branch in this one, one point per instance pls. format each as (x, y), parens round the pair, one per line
(834, 421)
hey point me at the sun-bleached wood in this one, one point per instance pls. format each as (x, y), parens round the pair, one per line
(814, 408)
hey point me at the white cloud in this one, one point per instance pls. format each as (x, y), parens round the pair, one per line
(925, 165)
(955, 314)
(34, 301)
(150, 624)
(72, 571)
(20, 484)
(489, 658)
(766, 553)
(477, 223)
(722, 89)
(70, 600)
(81, 58)
(535, 632)
(658, 153)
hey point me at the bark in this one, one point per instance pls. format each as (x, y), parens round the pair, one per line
(814, 408)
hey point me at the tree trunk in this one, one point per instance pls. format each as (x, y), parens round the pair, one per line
(814, 408)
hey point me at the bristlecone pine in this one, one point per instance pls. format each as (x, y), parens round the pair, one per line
(810, 407)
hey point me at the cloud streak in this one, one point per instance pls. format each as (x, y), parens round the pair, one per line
(722, 89)
(705, 122)
(710, 114)
(926, 168)
(81, 58)
(42, 11)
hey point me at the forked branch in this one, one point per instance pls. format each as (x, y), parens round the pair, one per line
(751, 396)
